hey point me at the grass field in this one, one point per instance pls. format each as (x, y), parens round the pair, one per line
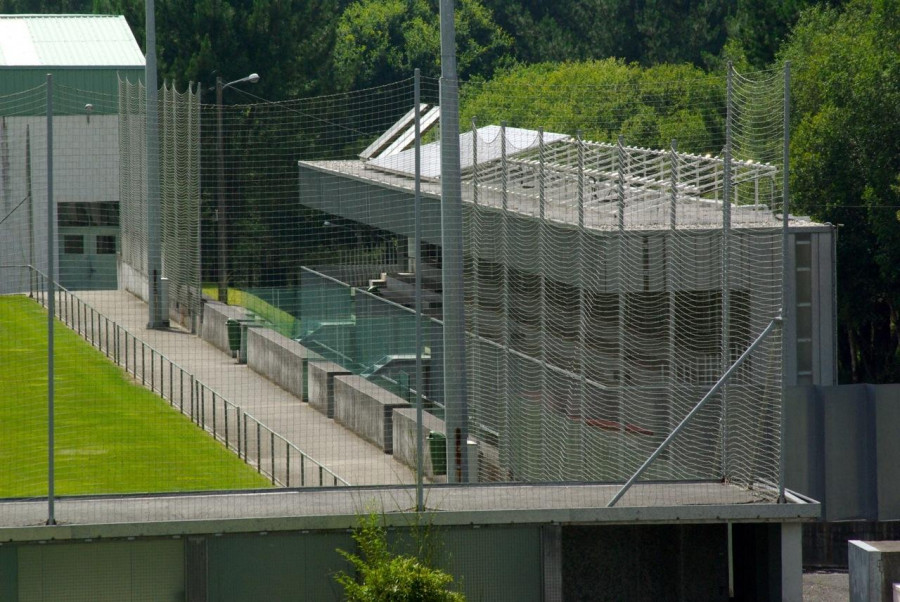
(111, 436)
(282, 321)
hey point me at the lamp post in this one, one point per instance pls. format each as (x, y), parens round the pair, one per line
(220, 213)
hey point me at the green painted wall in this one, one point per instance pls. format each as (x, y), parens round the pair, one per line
(149, 570)
(9, 573)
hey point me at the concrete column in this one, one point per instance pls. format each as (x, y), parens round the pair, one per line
(792, 562)
(551, 562)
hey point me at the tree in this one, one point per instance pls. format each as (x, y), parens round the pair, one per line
(648, 106)
(382, 41)
(845, 158)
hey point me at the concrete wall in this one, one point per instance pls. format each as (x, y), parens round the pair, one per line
(366, 409)
(842, 449)
(278, 358)
(213, 329)
(321, 385)
(874, 568)
(405, 445)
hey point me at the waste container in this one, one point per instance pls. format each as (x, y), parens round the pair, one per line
(234, 335)
(437, 443)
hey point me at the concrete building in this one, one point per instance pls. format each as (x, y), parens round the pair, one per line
(87, 55)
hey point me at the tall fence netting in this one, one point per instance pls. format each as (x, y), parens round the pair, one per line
(612, 274)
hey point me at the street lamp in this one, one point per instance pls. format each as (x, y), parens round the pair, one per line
(220, 214)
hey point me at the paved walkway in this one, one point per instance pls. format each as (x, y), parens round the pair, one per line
(325, 441)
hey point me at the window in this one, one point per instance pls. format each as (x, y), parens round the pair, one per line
(106, 244)
(73, 244)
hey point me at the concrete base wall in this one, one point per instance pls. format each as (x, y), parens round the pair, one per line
(132, 280)
(321, 385)
(515, 562)
(366, 409)
(405, 437)
(278, 358)
(215, 315)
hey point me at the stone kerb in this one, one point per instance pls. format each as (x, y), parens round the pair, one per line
(321, 385)
(366, 409)
(278, 358)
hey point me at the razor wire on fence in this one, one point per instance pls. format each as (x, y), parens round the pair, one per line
(608, 284)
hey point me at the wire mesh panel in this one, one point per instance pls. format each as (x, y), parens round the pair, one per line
(611, 294)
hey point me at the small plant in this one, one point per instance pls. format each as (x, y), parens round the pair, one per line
(384, 576)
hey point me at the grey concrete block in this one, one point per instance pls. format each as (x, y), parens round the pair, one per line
(321, 385)
(278, 358)
(366, 409)
(404, 432)
(874, 568)
(215, 315)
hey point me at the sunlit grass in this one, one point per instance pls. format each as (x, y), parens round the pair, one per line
(111, 436)
(283, 322)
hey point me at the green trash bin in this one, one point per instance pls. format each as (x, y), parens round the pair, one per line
(437, 443)
(234, 335)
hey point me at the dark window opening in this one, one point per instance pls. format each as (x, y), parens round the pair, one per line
(106, 245)
(83, 215)
(73, 244)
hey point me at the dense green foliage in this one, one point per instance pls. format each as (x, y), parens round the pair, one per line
(384, 576)
(846, 168)
(604, 99)
(111, 435)
(382, 41)
(845, 94)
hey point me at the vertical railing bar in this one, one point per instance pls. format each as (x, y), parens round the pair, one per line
(272, 446)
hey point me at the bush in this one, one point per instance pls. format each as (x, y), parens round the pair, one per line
(383, 576)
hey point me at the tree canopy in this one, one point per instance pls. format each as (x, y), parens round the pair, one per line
(647, 106)
(846, 168)
(381, 41)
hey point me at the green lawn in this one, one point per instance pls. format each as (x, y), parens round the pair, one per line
(282, 321)
(111, 436)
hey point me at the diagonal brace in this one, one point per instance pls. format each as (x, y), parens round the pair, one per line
(715, 388)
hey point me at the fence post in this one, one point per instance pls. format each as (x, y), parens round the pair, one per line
(51, 313)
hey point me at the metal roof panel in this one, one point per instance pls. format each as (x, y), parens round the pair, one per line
(68, 41)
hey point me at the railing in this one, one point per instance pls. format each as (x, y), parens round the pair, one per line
(272, 455)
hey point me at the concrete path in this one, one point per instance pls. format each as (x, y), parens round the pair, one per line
(325, 441)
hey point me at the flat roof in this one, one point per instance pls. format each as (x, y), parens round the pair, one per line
(562, 172)
(68, 41)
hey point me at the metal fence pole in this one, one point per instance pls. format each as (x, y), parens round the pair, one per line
(577, 455)
(620, 287)
(51, 309)
(787, 277)
(417, 243)
(726, 241)
(455, 392)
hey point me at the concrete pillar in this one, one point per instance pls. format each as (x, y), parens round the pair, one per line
(551, 562)
(792, 562)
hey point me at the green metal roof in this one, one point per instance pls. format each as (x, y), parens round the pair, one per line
(67, 41)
